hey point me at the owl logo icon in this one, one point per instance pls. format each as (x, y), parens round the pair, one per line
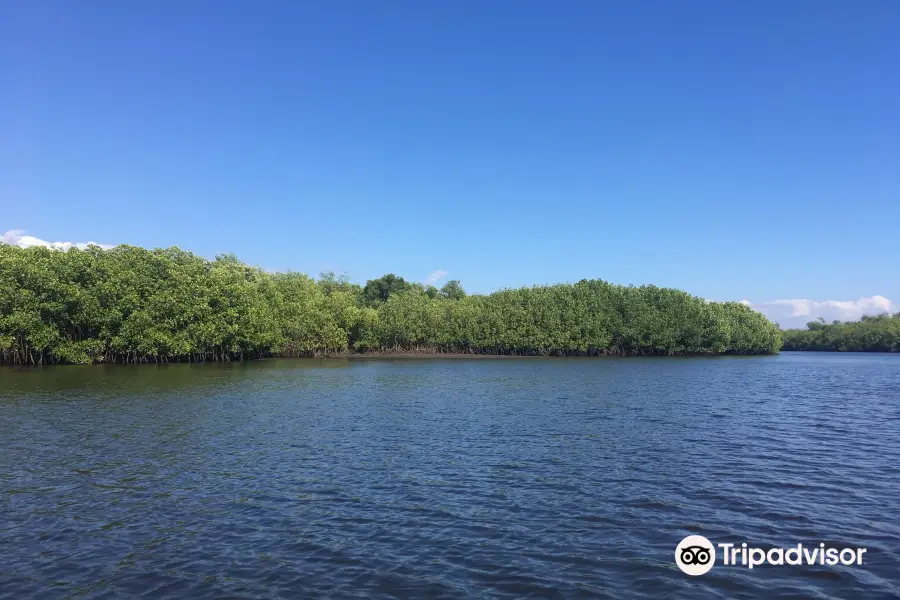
(695, 555)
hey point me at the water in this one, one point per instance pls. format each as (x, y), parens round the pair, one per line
(447, 478)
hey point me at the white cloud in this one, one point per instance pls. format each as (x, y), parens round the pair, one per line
(796, 312)
(434, 277)
(746, 303)
(17, 237)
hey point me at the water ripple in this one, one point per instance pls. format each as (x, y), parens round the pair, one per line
(446, 479)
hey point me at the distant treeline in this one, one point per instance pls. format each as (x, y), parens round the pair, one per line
(871, 334)
(130, 304)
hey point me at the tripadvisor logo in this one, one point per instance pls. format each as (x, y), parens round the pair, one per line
(696, 555)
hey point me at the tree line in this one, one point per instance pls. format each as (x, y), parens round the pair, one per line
(130, 305)
(880, 333)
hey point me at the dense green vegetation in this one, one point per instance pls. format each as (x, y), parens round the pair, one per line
(872, 334)
(130, 304)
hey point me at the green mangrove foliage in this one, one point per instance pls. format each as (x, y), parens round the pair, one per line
(587, 318)
(871, 334)
(130, 304)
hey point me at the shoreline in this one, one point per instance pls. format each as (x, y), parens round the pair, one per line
(458, 355)
(429, 355)
(384, 355)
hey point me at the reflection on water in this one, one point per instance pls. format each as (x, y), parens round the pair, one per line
(552, 478)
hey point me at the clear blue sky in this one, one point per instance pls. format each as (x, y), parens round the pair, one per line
(732, 149)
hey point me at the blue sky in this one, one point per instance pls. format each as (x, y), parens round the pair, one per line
(735, 150)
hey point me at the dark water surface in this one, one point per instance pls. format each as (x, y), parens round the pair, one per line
(447, 478)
